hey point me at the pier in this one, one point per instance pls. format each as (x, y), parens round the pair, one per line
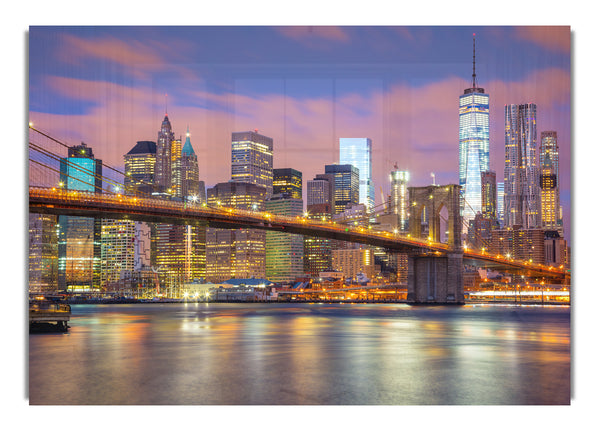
(48, 312)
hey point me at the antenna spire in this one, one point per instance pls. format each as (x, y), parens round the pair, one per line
(474, 60)
(166, 100)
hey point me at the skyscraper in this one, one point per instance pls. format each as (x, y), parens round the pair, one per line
(320, 196)
(287, 181)
(489, 196)
(190, 175)
(474, 145)
(162, 171)
(357, 152)
(140, 162)
(235, 253)
(252, 159)
(346, 189)
(176, 168)
(550, 180)
(399, 197)
(521, 172)
(43, 253)
(284, 251)
(79, 237)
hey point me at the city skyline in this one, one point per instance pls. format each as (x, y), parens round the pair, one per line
(308, 87)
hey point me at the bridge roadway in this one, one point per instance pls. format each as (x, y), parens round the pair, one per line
(116, 206)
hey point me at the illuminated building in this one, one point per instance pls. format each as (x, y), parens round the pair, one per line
(117, 251)
(180, 253)
(357, 152)
(399, 197)
(354, 261)
(43, 253)
(139, 168)
(287, 181)
(549, 182)
(252, 159)
(500, 203)
(176, 168)
(489, 195)
(79, 237)
(319, 206)
(346, 182)
(236, 253)
(162, 171)
(284, 251)
(521, 169)
(519, 244)
(474, 145)
(190, 175)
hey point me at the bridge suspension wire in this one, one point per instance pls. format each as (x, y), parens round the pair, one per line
(71, 166)
(46, 135)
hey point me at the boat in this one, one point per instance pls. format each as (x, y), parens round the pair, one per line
(48, 313)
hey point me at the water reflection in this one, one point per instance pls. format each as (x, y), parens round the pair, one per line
(304, 354)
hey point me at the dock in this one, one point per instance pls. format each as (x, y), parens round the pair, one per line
(48, 312)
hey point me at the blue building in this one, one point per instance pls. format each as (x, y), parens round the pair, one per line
(474, 145)
(357, 152)
(79, 238)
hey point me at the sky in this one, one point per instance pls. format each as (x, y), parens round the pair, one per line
(303, 86)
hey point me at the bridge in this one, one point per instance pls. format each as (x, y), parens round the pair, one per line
(435, 269)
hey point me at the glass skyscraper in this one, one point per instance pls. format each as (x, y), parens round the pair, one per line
(346, 185)
(162, 171)
(399, 197)
(474, 145)
(357, 152)
(79, 237)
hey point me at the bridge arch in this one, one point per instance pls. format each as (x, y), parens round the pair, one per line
(432, 200)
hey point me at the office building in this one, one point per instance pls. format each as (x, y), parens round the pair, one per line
(489, 196)
(79, 237)
(139, 168)
(550, 182)
(162, 172)
(192, 189)
(358, 153)
(117, 252)
(252, 159)
(287, 182)
(176, 174)
(320, 195)
(500, 203)
(43, 253)
(474, 144)
(399, 197)
(236, 253)
(521, 169)
(346, 185)
(284, 251)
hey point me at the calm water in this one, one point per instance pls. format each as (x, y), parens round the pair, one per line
(304, 354)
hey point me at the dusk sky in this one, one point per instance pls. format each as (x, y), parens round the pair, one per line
(303, 86)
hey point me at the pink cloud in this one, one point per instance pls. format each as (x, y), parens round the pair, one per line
(552, 37)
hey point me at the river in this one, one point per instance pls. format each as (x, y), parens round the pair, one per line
(306, 354)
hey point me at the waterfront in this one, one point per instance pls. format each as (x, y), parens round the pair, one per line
(309, 354)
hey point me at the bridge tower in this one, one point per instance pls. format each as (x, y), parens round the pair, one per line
(435, 278)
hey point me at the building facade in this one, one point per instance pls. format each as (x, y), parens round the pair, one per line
(288, 182)
(252, 159)
(521, 169)
(399, 197)
(139, 168)
(284, 259)
(346, 185)
(474, 144)
(43, 253)
(236, 253)
(79, 237)
(358, 153)
(162, 176)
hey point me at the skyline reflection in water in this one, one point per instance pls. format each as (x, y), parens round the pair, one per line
(314, 354)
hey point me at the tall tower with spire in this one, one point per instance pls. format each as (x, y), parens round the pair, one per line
(474, 144)
(162, 170)
(190, 183)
